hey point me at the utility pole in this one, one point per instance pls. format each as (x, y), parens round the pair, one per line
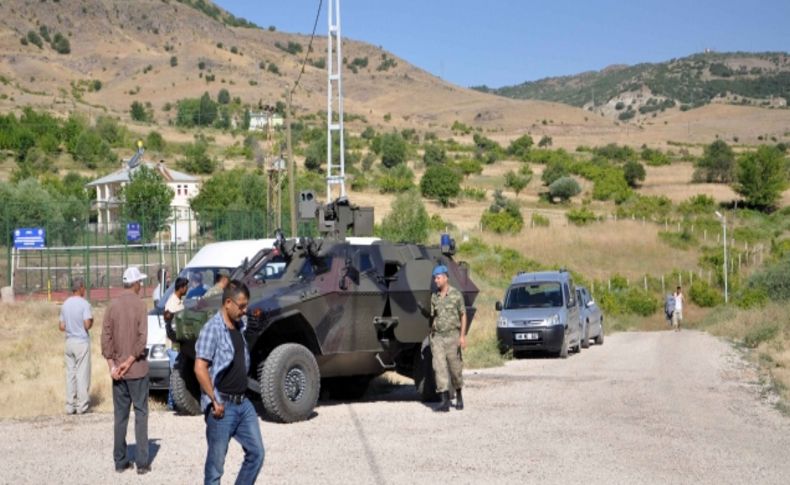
(335, 173)
(723, 219)
(291, 163)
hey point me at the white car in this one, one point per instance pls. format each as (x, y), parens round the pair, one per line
(200, 271)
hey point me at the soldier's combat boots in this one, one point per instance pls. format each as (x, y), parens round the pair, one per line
(444, 406)
(459, 400)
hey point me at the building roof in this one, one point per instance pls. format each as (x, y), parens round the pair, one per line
(122, 175)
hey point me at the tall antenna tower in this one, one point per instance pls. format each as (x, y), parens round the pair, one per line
(335, 172)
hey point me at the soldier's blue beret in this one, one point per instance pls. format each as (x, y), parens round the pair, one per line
(439, 270)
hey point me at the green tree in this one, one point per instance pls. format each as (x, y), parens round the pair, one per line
(440, 182)
(196, 158)
(392, 148)
(223, 97)
(469, 166)
(146, 199)
(92, 151)
(434, 154)
(554, 170)
(634, 173)
(564, 188)
(761, 176)
(520, 147)
(173, 61)
(61, 44)
(516, 182)
(35, 163)
(154, 142)
(138, 111)
(408, 220)
(545, 141)
(717, 163)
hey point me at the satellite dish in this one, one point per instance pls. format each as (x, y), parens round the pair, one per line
(137, 158)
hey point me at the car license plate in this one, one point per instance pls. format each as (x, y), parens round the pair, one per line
(527, 336)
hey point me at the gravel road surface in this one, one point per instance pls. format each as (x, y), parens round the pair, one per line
(656, 407)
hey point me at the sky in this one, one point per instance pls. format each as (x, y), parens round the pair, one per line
(505, 42)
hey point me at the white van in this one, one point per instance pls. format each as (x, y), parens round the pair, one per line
(200, 272)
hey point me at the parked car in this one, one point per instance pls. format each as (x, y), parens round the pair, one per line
(591, 317)
(540, 313)
(200, 271)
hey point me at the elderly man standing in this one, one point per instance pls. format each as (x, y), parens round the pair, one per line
(124, 333)
(75, 320)
(448, 338)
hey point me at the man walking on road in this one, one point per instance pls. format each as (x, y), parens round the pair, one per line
(677, 315)
(221, 366)
(448, 338)
(124, 334)
(76, 320)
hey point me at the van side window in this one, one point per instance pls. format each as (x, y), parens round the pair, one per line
(570, 297)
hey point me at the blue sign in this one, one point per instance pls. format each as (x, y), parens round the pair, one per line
(29, 238)
(133, 233)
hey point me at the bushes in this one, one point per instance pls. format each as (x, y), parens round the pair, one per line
(564, 188)
(520, 147)
(407, 221)
(773, 281)
(650, 207)
(634, 173)
(440, 182)
(610, 183)
(196, 158)
(554, 171)
(654, 157)
(704, 295)
(716, 165)
(623, 301)
(396, 180)
(678, 240)
(392, 148)
(539, 220)
(517, 181)
(61, 44)
(581, 217)
(761, 176)
(434, 155)
(504, 216)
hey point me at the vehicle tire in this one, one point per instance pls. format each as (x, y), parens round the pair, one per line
(586, 336)
(185, 387)
(563, 353)
(346, 388)
(290, 383)
(424, 377)
(599, 338)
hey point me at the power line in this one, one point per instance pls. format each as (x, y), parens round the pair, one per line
(309, 48)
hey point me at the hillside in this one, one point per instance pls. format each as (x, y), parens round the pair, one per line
(625, 92)
(159, 51)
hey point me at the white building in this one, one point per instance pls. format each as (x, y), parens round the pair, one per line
(182, 223)
(261, 120)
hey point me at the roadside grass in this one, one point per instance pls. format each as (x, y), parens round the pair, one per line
(32, 368)
(764, 333)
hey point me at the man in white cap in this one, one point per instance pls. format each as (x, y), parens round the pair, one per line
(124, 334)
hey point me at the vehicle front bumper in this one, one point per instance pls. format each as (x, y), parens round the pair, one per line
(159, 374)
(549, 338)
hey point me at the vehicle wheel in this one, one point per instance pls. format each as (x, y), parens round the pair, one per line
(424, 377)
(185, 387)
(586, 336)
(563, 353)
(290, 383)
(347, 388)
(599, 338)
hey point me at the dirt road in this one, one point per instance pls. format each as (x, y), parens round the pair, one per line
(643, 408)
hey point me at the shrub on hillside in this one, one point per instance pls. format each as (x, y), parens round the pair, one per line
(634, 173)
(408, 220)
(640, 302)
(773, 280)
(555, 170)
(396, 179)
(704, 295)
(504, 216)
(581, 217)
(61, 44)
(520, 147)
(517, 181)
(434, 155)
(761, 176)
(440, 182)
(564, 188)
(650, 207)
(717, 164)
(539, 220)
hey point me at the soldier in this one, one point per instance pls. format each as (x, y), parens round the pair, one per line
(448, 338)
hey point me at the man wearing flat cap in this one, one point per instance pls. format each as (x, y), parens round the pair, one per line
(124, 333)
(448, 338)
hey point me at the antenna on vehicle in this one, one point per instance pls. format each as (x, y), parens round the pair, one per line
(335, 172)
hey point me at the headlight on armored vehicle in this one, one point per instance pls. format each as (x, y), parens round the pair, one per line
(501, 322)
(158, 351)
(552, 320)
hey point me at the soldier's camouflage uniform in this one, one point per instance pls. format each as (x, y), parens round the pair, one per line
(446, 313)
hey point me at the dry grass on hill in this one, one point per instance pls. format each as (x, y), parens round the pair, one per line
(32, 369)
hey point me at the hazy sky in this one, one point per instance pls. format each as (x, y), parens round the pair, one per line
(502, 42)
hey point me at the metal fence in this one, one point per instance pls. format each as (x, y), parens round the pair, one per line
(99, 250)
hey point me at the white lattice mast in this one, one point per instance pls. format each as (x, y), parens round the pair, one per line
(335, 172)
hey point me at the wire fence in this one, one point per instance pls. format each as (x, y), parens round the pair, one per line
(99, 248)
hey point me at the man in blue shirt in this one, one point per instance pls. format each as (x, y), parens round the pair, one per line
(221, 368)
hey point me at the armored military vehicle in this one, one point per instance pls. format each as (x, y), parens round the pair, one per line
(331, 312)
